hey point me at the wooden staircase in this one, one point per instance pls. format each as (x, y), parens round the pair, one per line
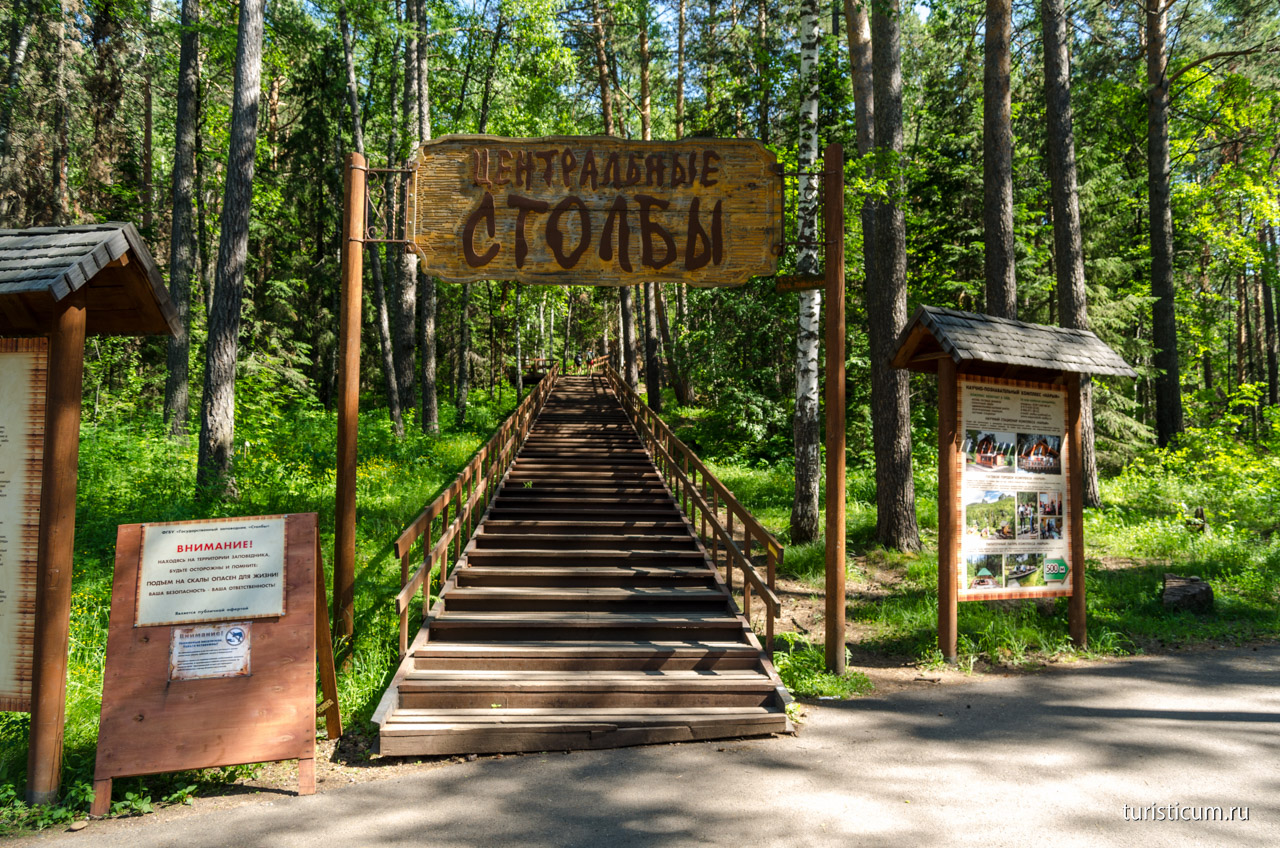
(583, 612)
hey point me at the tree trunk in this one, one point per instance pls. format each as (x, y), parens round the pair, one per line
(406, 303)
(1268, 302)
(430, 392)
(427, 301)
(679, 378)
(568, 320)
(602, 68)
(997, 164)
(681, 34)
(375, 258)
(1068, 251)
(858, 26)
(13, 85)
(1164, 326)
(464, 355)
(214, 475)
(763, 82)
(148, 215)
(629, 337)
(890, 401)
(808, 475)
(62, 126)
(182, 238)
(652, 365)
(519, 350)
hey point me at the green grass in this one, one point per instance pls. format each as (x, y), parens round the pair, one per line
(802, 667)
(130, 472)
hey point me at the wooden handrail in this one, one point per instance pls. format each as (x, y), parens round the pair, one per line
(475, 484)
(702, 496)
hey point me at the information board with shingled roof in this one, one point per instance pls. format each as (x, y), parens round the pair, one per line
(58, 285)
(1009, 432)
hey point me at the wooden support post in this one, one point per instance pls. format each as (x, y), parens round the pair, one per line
(1075, 514)
(54, 551)
(948, 517)
(833, 235)
(324, 655)
(344, 560)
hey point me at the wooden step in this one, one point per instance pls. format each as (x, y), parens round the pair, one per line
(586, 656)
(618, 575)
(619, 526)
(650, 599)
(583, 541)
(583, 626)
(566, 559)
(573, 690)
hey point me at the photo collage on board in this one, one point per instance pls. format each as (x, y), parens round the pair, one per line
(1013, 490)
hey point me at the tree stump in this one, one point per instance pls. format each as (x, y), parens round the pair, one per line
(1187, 593)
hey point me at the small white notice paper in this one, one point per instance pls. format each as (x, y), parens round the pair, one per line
(210, 650)
(194, 571)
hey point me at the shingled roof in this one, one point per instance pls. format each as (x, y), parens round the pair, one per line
(124, 293)
(979, 342)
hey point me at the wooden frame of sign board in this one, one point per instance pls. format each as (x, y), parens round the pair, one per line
(151, 723)
(23, 367)
(57, 286)
(1037, 368)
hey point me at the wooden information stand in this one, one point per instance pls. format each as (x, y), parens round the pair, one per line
(59, 285)
(1010, 475)
(169, 703)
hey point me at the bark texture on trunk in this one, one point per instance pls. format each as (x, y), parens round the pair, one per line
(1164, 326)
(804, 508)
(858, 27)
(430, 391)
(375, 257)
(1068, 250)
(652, 364)
(997, 163)
(214, 473)
(464, 355)
(1266, 236)
(890, 400)
(182, 239)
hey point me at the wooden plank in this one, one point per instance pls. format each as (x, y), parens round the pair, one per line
(949, 506)
(1075, 514)
(549, 210)
(56, 548)
(151, 724)
(833, 234)
(23, 382)
(344, 560)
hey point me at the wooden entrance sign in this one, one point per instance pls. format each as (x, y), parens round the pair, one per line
(596, 210)
(58, 285)
(565, 210)
(1010, 476)
(216, 629)
(23, 363)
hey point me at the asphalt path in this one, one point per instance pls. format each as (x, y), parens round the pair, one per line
(1062, 758)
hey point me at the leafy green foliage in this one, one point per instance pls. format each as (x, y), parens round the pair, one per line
(802, 667)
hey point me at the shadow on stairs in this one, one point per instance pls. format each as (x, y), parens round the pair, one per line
(583, 612)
